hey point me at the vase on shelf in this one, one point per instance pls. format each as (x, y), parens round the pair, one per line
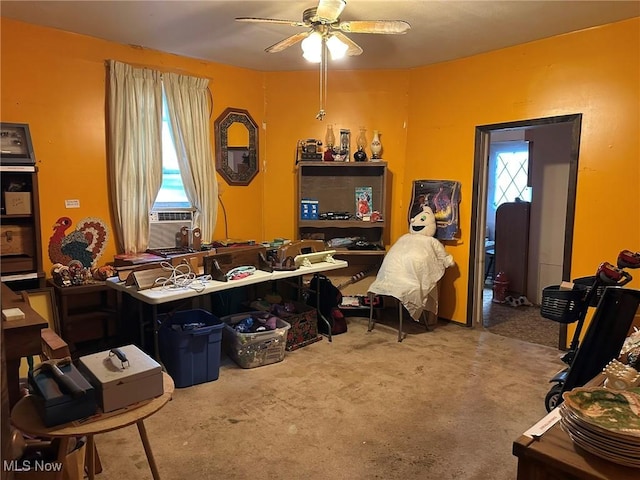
(360, 155)
(329, 142)
(376, 146)
(345, 145)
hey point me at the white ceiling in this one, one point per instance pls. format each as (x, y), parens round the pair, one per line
(440, 30)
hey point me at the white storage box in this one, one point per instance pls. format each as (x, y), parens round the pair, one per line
(122, 376)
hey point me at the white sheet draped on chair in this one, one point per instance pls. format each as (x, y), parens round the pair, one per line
(410, 272)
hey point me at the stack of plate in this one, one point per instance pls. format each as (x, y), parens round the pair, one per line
(604, 422)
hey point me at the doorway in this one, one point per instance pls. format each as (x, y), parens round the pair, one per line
(548, 136)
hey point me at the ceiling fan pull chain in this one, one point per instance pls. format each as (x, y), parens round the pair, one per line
(325, 69)
(323, 80)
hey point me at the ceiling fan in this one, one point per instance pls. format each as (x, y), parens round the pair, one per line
(325, 20)
(325, 31)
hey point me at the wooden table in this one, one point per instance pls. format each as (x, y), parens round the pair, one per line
(554, 456)
(25, 417)
(21, 339)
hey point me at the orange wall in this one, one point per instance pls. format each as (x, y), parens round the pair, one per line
(55, 81)
(594, 72)
(372, 99)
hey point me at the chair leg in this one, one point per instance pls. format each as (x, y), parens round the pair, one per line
(400, 334)
(425, 317)
(371, 322)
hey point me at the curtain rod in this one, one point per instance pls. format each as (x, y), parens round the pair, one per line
(177, 71)
(160, 69)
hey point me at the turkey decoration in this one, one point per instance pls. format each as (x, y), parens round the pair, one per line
(85, 243)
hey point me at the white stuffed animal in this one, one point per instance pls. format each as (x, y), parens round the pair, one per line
(413, 266)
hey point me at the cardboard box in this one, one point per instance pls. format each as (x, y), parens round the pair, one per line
(17, 203)
(121, 383)
(73, 468)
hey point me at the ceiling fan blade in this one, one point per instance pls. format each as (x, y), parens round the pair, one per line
(354, 49)
(375, 26)
(270, 20)
(287, 42)
(330, 10)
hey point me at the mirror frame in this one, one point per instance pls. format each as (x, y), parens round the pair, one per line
(221, 126)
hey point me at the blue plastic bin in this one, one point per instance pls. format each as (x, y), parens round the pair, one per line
(191, 356)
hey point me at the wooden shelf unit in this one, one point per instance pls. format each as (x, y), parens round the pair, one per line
(333, 185)
(86, 312)
(21, 252)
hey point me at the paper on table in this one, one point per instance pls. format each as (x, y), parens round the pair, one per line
(544, 424)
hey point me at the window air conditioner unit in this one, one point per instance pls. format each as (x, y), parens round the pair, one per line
(165, 226)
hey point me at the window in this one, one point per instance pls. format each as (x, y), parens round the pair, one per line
(172, 194)
(511, 173)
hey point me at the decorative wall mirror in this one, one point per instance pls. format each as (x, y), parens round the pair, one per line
(236, 138)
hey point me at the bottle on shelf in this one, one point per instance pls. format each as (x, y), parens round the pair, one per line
(376, 146)
(345, 145)
(360, 155)
(329, 142)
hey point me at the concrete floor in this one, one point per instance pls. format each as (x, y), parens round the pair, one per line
(445, 404)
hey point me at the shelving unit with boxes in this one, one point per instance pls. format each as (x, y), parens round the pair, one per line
(333, 185)
(20, 246)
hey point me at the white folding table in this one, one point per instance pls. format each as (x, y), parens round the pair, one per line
(164, 294)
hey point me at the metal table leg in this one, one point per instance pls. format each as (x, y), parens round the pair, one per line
(319, 312)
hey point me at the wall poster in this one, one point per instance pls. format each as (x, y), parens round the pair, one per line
(443, 196)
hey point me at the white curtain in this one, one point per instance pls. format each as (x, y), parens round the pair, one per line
(188, 110)
(135, 153)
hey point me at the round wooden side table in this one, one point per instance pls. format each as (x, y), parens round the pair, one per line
(25, 417)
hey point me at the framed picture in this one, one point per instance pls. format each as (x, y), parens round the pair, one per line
(43, 301)
(15, 144)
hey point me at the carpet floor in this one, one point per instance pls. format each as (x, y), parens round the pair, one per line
(523, 322)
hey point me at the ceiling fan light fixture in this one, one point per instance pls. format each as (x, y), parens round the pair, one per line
(312, 48)
(337, 47)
